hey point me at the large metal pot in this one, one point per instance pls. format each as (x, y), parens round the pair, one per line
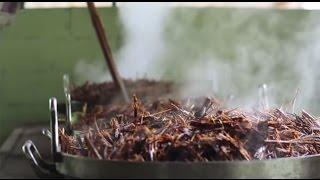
(65, 165)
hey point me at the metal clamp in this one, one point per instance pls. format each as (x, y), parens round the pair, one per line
(55, 146)
(66, 87)
(263, 97)
(42, 168)
(47, 133)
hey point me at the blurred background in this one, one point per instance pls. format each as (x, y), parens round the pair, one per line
(229, 47)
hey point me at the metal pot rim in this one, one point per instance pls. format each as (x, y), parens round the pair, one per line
(308, 157)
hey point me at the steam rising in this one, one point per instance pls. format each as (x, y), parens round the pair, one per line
(237, 50)
(144, 38)
(222, 52)
(144, 45)
(93, 71)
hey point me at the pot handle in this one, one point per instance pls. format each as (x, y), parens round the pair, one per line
(42, 168)
(55, 145)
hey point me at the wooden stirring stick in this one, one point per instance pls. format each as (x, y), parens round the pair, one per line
(98, 26)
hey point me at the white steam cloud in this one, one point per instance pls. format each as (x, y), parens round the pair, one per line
(92, 71)
(144, 38)
(144, 44)
(238, 50)
(222, 52)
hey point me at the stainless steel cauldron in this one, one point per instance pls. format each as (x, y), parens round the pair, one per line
(65, 165)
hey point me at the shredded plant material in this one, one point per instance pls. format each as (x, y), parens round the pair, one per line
(107, 93)
(191, 130)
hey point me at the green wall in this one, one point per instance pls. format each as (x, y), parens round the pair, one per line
(36, 51)
(258, 45)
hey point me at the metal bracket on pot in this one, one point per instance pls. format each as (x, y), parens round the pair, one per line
(66, 88)
(55, 147)
(41, 167)
(47, 133)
